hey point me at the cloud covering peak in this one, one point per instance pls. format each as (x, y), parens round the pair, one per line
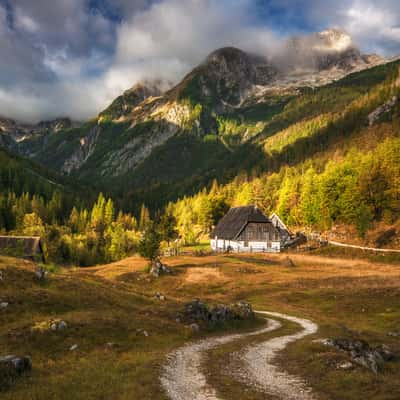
(73, 57)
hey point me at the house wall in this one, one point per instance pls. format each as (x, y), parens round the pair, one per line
(259, 232)
(247, 247)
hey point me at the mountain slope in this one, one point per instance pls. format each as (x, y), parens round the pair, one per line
(235, 112)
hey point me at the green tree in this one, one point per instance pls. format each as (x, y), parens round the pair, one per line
(144, 217)
(309, 203)
(109, 212)
(149, 245)
(32, 225)
(167, 227)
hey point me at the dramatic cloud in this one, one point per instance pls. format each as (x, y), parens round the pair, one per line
(72, 57)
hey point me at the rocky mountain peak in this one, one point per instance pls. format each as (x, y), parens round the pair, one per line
(131, 98)
(333, 40)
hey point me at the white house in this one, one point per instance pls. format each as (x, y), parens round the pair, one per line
(247, 229)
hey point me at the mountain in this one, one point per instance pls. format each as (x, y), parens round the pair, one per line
(15, 135)
(234, 112)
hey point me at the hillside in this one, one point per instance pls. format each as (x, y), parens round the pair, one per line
(235, 112)
(109, 308)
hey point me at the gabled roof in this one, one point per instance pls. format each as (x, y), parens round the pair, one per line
(22, 246)
(230, 226)
(278, 222)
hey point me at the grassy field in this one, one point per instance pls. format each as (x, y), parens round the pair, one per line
(114, 304)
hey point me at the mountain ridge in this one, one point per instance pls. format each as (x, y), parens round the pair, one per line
(223, 110)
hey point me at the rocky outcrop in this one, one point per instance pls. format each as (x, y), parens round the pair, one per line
(130, 99)
(147, 116)
(199, 312)
(362, 353)
(385, 108)
(83, 151)
(158, 268)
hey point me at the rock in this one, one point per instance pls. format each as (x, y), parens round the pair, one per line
(195, 328)
(3, 305)
(12, 367)
(362, 354)
(243, 310)
(385, 352)
(393, 334)
(383, 109)
(1, 276)
(145, 333)
(157, 269)
(345, 365)
(324, 341)
(62, 325)
(160, 297)
(18, 364)
(198, 311)
(73, 347)
(58, 325)
(41, 274)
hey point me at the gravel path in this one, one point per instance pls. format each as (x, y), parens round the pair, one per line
(259, 368)
(182, 377)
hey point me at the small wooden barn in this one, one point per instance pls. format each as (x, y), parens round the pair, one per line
(247, 229)
(27, 247)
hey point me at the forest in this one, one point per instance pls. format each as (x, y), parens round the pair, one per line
(316, 163)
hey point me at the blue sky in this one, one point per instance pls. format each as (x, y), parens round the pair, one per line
(72, 57)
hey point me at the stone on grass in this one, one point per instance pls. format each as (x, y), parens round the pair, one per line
(160, 297)
(1, 276)
(362, 353)
(195, 328)
(199, 312)
(11, 367)
(73, 347)
(41, 274)
(345, 365)
(158, 268)
(3, 305)
(58, 326)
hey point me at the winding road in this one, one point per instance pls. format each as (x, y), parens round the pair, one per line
(182, 377)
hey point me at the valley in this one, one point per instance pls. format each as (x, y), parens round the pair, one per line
(124, 333)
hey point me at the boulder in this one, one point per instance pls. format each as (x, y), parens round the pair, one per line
(11, 367)
(158, 268)
(3, 305)
(41, 274)
(198, 311)
(362, 353)
(195, 328)
(243, 310)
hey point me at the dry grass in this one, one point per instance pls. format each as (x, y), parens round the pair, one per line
(111, 303)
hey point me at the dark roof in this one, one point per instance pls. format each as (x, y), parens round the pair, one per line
(230, 226)
(22, 246)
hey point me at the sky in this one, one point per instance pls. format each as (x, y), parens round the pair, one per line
(73, 57)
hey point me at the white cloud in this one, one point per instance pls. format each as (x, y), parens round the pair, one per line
(61, 58)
